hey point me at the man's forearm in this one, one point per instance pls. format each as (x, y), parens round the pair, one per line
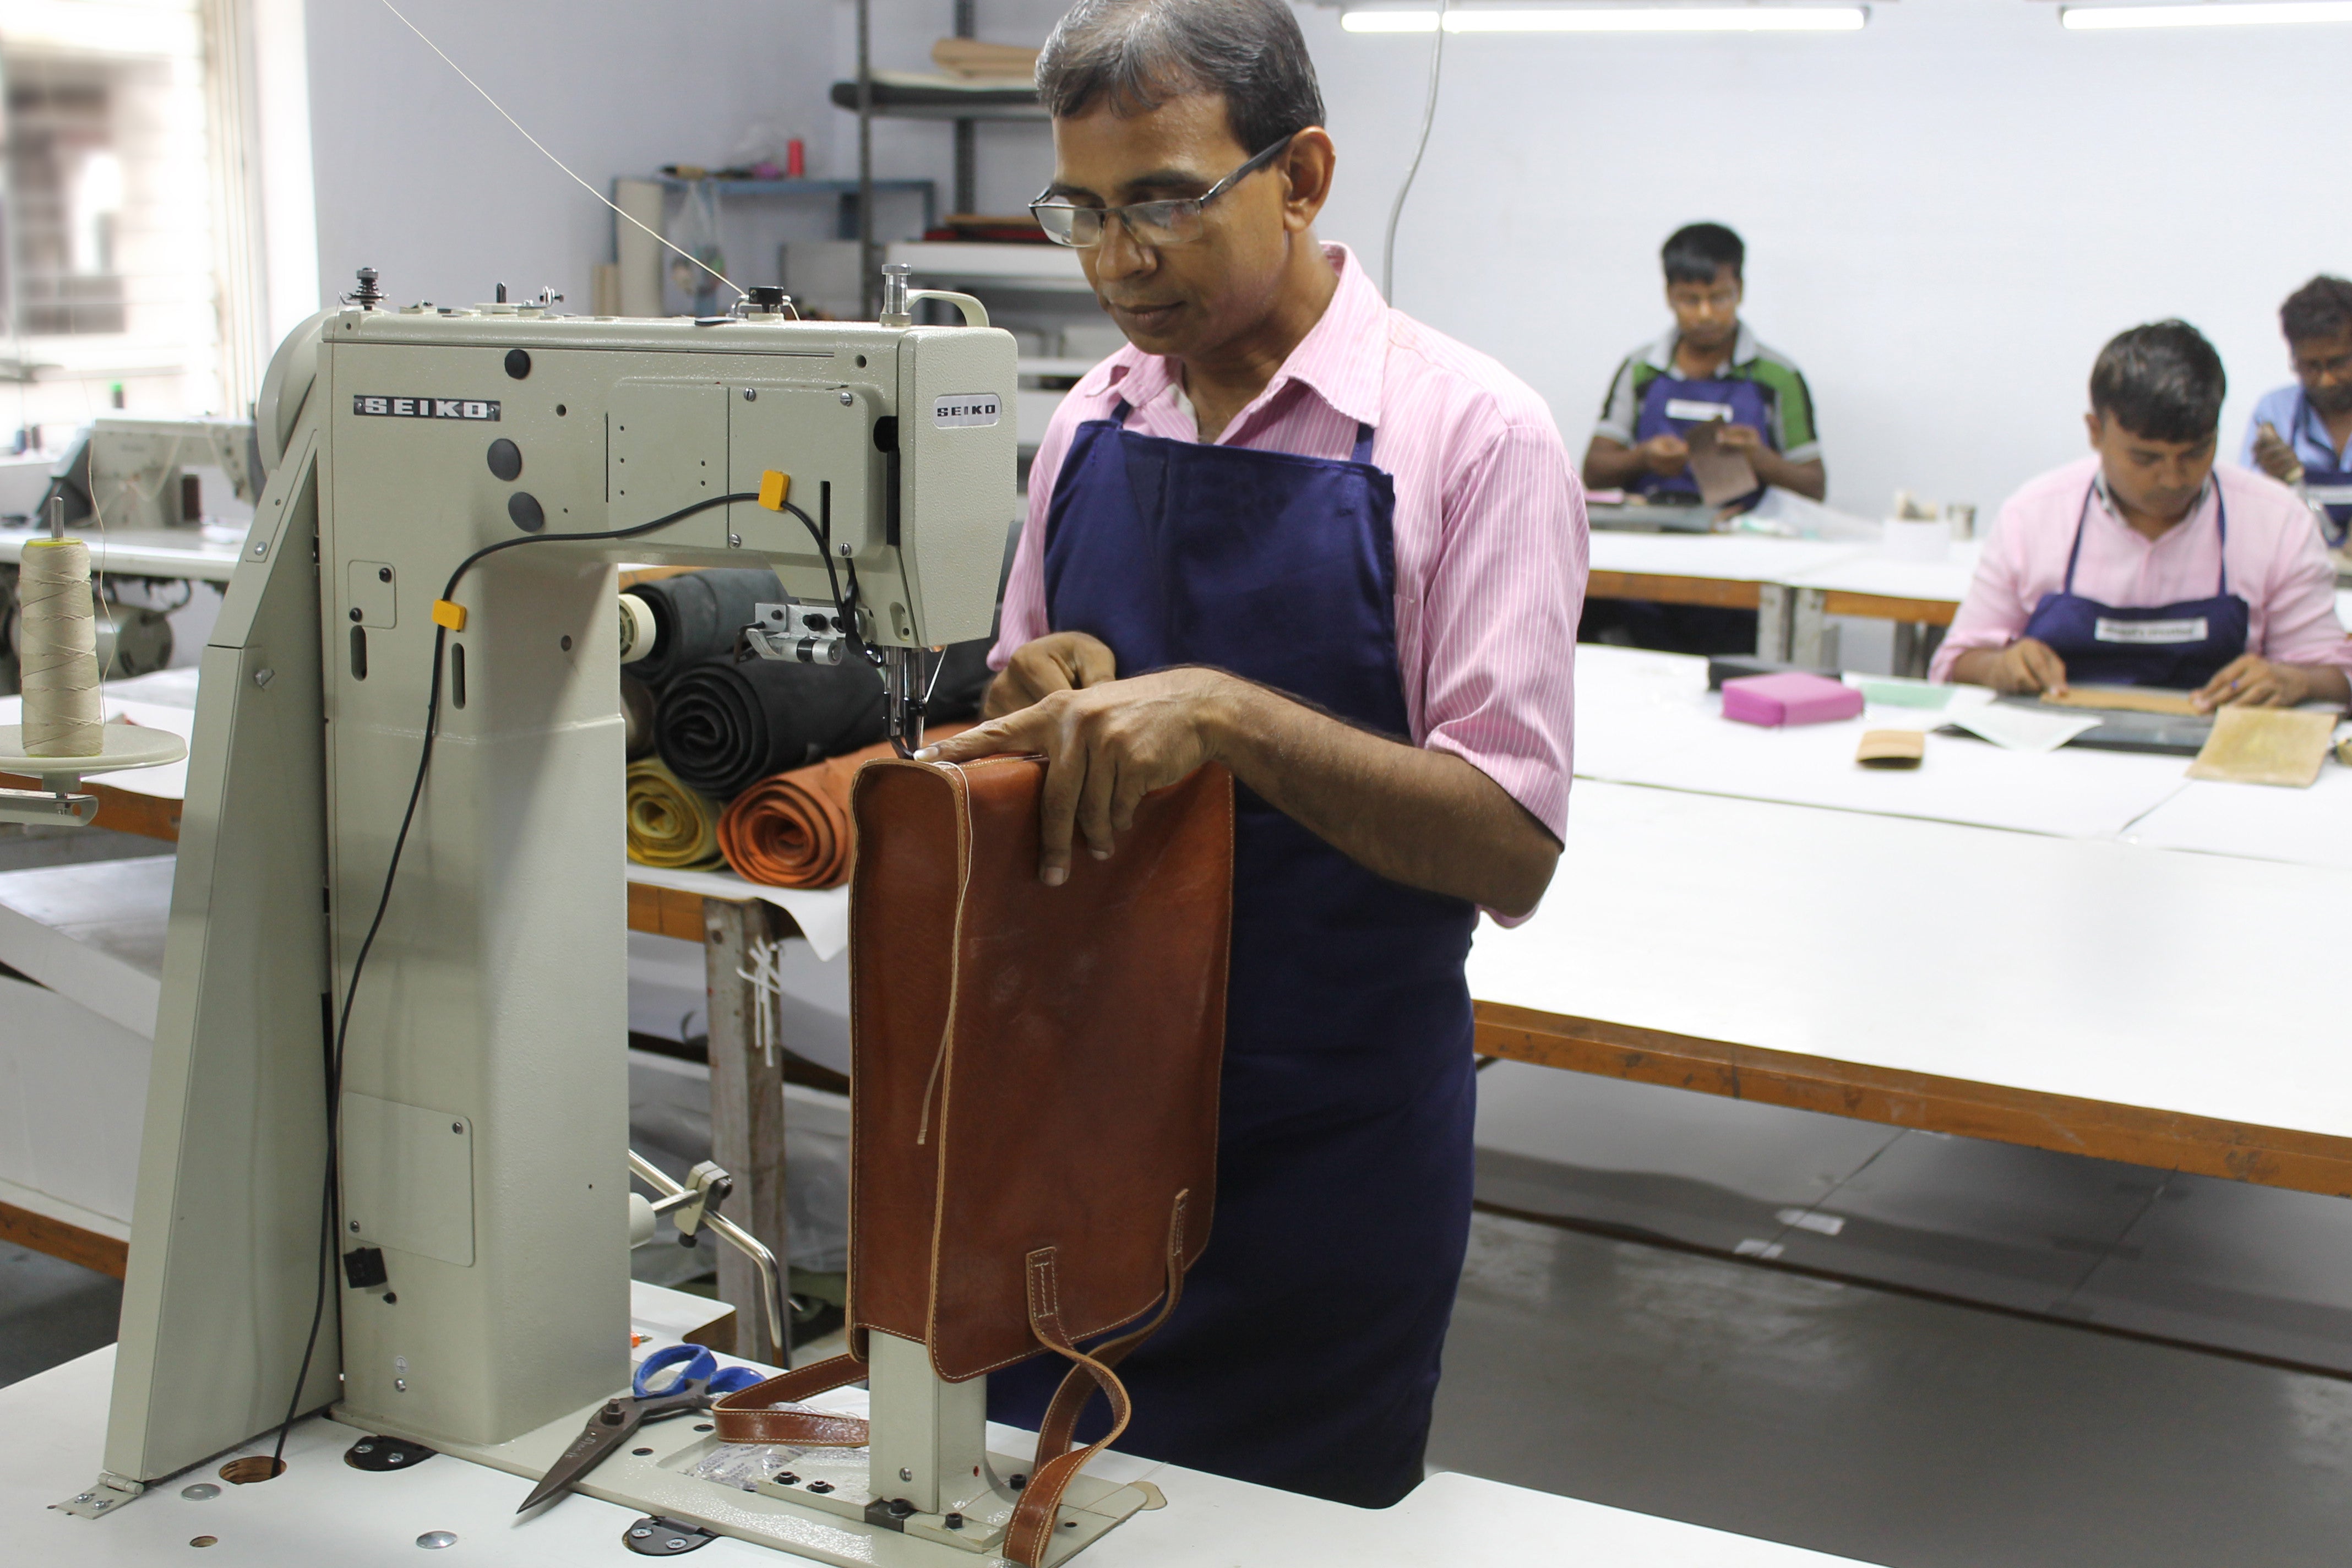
(1609, 465)
(1976, 667)
(1810, 480)
(2328, 684)
(1426, 818)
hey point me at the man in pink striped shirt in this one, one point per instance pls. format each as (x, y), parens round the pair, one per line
(1294, 531)
(2146, 565)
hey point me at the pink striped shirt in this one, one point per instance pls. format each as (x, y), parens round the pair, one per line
(2276, 562)
(1490, 533)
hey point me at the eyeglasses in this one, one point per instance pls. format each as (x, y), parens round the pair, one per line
(1176, 221)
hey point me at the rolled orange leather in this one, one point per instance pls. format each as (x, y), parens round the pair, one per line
(792, 830)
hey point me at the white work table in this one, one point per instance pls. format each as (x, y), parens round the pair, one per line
(1746, 558)
(204, 554)
(1793, 584)
(321, 1511)
(1648, 719)
(1748, 912)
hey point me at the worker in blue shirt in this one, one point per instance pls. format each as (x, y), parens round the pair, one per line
(2299, 434)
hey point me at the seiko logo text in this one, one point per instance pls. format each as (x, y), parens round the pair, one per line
(425, 407)
(966, 408)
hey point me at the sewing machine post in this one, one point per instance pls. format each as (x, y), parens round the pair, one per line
(476, 1280)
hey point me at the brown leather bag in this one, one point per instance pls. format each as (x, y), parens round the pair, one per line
(1034, 1092)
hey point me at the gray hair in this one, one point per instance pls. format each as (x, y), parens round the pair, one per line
(1135, 55)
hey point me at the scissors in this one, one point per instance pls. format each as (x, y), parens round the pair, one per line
(698, 1379)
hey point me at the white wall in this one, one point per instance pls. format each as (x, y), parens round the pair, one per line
(419, 178)
(1947, 213)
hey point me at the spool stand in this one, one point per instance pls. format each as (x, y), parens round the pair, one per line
(60, 799)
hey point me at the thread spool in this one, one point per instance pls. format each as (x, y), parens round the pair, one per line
(60, 651)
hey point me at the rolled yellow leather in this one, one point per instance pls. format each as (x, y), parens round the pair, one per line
(670, 826)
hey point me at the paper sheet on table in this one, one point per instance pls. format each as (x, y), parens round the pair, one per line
(1896, 703)
(822, 913)
(2021, 729)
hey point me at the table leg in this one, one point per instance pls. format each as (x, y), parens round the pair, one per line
(1812, 641)
(747, 1110)
(1916, 643)
(1772, 617)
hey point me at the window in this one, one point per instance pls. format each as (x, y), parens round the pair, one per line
(110, 268)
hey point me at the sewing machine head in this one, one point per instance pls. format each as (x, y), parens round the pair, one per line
(506, 422)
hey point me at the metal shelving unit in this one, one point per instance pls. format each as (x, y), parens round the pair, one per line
(965, 107)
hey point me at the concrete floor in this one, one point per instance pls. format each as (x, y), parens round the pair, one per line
(51, 1311)
(1884, 1428)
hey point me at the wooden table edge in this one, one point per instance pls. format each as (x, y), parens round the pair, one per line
(2243, 1152)
(1884, 607)
(1663, 588)
(108, 1255)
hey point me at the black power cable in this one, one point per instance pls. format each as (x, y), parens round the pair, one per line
(330, 1198)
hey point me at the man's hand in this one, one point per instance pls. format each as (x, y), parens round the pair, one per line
(1059, 661)
(2025, 667)
(1745, 439)
(1664, 456)
(1106, 745)
(2251, 680)
(2273, 455)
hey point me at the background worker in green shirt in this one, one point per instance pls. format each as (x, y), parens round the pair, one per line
(1710, 368)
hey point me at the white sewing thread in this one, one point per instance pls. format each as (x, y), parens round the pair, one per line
(767, 977)
(60, 651)
(551, 158)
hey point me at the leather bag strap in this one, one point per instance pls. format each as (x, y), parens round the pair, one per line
(1057, 1464)
(749, 1416)
(1070, 1399)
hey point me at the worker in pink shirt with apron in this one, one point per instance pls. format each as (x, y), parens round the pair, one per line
(2145, 564)
(1290, 529)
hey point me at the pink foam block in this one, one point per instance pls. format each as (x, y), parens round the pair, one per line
(1789, 697)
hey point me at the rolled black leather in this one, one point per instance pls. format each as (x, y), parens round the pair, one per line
(696, 615)
(637, 715)
(724, 726)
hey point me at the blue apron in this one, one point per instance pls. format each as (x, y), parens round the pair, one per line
(2179, 645)
(1304, 1352)
(1744, 400)
(2328, 485)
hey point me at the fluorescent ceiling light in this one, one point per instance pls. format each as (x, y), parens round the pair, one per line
(2102, 18)
(1620, 19)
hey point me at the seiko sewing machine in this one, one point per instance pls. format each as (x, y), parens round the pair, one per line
(132, 474)
(431, 574)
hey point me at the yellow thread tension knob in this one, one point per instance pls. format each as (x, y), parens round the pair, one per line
(774, 486)
(446, 614)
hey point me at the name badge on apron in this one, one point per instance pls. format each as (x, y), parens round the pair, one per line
(1692, 408)
(2191, 628)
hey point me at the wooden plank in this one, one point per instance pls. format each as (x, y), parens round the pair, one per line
(1879, 607)
(150, 816)
(1721, 592)
(55, 1236)
(2265, 1156)
(665, 912)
